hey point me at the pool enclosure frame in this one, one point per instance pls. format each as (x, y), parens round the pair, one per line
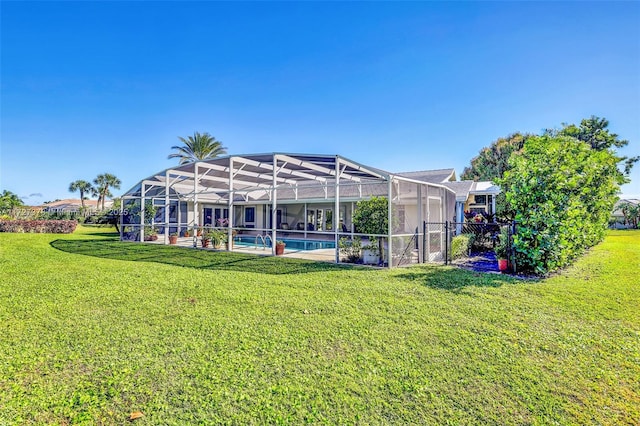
(277, 195)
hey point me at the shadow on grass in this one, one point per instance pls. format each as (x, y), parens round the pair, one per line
(455, 279)
(192, 258)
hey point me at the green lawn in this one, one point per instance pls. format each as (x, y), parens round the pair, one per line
(92, 329)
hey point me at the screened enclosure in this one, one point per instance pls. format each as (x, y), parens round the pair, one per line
(307, 202)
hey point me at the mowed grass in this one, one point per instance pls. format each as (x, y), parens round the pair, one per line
(92, 329)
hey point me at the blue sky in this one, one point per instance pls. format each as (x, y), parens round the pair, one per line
(98, 87)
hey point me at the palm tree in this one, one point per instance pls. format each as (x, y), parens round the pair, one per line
(8, 200)
(200, 146)
(103, 182)
(83, 186)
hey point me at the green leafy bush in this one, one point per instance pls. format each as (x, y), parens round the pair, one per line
(460, 245)
(562, 192)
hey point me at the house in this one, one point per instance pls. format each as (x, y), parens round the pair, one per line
(306, 199)
(73, 205)
(617, 220)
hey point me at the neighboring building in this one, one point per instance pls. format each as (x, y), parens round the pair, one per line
(617, 217)
(73, 205)
(298, 197)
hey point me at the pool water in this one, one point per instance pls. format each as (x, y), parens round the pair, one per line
(291, 244)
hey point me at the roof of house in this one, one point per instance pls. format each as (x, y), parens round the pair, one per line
(466, 187)
(255, 175)
(73, 204)
(431, 176)
(617, 211)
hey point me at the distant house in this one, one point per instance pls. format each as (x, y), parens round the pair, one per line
(617, 217)
(73, 205)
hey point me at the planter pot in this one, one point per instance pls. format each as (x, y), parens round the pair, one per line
(280, 249)
(187, 234)
(370, 257)
(503, 264)
(151, 238)
(205, 243)
(173, 239)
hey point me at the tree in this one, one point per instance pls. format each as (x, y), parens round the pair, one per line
(9, 200)
(562, 191)
(491, 164)
(631, 214)
(83, 186)
(103, 183)
(200, 146)
(493, 161)
(594, 131)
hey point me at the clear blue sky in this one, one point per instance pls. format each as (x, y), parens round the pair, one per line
(89, 88)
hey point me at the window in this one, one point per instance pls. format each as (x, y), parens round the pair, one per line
(249, 215)
(480, 199)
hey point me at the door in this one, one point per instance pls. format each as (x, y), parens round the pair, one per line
(208, 216)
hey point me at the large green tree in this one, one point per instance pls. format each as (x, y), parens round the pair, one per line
(595, 132)
(562, 192)
(8, 200)
(493, 161)
(103, 184)
(200, 146)
(83, 187)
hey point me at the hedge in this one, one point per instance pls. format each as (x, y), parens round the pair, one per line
(39, 226)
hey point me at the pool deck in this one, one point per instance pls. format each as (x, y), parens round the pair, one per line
(320, 255)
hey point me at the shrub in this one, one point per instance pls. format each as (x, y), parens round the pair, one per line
(562, 192)
(39, 226)
(460, 246)
(350, 249)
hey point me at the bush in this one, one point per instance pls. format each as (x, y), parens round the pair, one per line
(39, 226)
(350, 249)
(562, 192)
(460, 246)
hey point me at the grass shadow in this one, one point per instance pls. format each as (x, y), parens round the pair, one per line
(455, 279)
(191, 258)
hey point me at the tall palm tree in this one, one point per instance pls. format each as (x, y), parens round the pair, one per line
(103, 182)
(83, 186)
(200, 146)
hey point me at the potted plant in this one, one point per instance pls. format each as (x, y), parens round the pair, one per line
(218, 237)
(187, 232)
(502, 252)
(206, 237)
(151, 235)
(173, 238)
(280, 245)
(371, 252)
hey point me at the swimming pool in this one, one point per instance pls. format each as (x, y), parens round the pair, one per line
(291, 244)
